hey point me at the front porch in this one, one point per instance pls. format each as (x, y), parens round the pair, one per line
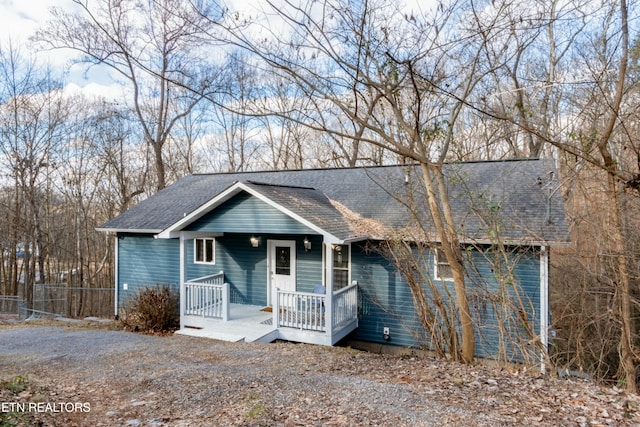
(206, 310)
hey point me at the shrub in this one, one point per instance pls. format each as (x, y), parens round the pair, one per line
(153, 309)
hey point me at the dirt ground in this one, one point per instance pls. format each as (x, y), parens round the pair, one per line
(89, 374)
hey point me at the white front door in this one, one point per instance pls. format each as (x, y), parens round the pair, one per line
(282, 265)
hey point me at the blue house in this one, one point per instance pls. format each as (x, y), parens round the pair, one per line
(259, 256)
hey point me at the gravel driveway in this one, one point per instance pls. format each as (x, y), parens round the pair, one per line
(116, 378)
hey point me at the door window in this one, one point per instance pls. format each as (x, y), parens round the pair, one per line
(283, 260)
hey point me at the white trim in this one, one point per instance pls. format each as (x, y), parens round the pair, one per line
(329, 287)
(287, 212)
(195, 250)
(117, 276)
(544, 302)
(187, 219)
(170, 232)
(129, 230)
(348, 269)
(199, 234)
(271, 243)
(349, 279)
(435, 266)
(183, 277)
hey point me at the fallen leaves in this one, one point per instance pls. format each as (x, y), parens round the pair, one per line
(181, 381)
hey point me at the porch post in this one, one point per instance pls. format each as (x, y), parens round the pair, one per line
(275, 308)
(329, 295)
(226, 302)
(183, 277)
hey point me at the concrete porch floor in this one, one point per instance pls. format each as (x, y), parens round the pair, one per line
(244, 324)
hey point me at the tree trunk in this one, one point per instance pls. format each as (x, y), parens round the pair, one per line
(445, 228)
(623, 296)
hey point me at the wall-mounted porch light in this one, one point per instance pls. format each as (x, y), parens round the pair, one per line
(254, 241)
(307, 244)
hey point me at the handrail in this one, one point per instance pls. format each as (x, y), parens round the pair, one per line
(217, 278)
(207, 297)
(306, 310)
(344, 306)
(300, 310)
(345, 289)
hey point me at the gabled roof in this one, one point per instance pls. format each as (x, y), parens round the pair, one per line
(518, 198)
(304, 204)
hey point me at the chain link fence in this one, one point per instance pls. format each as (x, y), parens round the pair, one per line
(61, 300)
(13, 306)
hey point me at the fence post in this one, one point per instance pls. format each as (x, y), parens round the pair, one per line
(22, 310)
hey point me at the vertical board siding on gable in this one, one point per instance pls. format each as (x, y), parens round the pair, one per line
(245, 213)
(245, 267)
(386, 301)
(144, 261)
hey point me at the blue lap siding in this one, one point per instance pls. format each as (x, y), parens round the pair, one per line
(245, 213)
(386, 301)
(245, 267)
(144, 262)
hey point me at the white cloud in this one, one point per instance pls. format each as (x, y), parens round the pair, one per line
(111, 92)
(19, 20)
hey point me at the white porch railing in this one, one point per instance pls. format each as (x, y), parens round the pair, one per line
(207, 297)
(301, 310)
(306, 311)
(345, 306)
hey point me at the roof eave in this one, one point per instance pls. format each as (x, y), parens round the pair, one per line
(175, 229)
(128, 230)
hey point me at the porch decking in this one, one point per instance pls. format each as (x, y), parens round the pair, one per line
(312, 318)
(246, 323)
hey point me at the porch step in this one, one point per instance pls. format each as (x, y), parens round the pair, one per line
(235, 333)
(270, 336)
(208, 333)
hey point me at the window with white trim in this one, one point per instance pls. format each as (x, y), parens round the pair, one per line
(204, 251)
(340, 266)
(442, 267)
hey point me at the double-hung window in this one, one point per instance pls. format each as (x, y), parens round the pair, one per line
(442, 267)
(204, 250)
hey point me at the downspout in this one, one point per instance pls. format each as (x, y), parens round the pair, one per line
(116, 276)
(329, 294)
(544, 305)
(183, 277)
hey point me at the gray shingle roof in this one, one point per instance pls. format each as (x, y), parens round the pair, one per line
(515, 197)
(308, 203)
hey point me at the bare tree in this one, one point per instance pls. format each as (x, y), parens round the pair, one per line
(605, 147)
(582, 106)
(156, 47)
(32, 125)
(233, 127)
(382, 69)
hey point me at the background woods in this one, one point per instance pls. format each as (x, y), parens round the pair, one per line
(201, 86)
